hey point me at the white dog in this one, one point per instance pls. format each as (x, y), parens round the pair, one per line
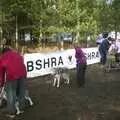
(60, 74)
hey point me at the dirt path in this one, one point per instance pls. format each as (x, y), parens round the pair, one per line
(99, 100)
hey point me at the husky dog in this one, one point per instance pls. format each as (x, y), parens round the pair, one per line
(60, 74)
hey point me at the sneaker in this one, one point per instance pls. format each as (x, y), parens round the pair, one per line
(5, 112)
(19, 112)
(10, 115)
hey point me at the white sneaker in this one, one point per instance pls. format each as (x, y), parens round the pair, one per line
(10, 115)
(19, 112)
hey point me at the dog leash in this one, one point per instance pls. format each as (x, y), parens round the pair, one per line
(3, 88)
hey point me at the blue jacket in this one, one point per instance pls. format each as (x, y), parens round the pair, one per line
(104, 46)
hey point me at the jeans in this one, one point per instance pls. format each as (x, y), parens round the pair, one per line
(103, 57)
(11, 87)
(21, 90)
(15, 91)
(81, 68)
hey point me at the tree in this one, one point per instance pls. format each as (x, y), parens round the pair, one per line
(16, 16)
(47, 17)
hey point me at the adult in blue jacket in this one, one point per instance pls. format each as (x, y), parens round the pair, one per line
(103, 49)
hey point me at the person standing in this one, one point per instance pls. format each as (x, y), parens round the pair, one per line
(81, 65)
(103, 49)
(12, 69)
(117, 55)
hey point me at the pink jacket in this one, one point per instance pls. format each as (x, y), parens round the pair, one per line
(80, 56)
(12, 63)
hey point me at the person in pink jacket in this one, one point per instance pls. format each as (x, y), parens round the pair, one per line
(13, 71)
(81, 65)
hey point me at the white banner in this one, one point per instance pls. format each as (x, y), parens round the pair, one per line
(39, 64)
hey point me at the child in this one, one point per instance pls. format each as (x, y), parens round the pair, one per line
(81, 65)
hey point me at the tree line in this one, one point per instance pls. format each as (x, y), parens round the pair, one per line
(43, 18)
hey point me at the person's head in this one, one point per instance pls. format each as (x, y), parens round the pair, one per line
(76, 44)
(105, 35)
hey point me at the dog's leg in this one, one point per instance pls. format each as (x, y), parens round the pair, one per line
(17, 108)
(5, 96)
(58, 81)
(68, 79)
(27, 97)
(30, 100)
(54, 81)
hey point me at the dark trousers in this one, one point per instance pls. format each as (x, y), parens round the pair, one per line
(81, 68)
(103, 57)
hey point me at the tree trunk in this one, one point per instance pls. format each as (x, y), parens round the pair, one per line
(40, 32)
(62, 45)
(60, 24)
(1, 37)
(1, 29)
(16, 33)
(78, 23)
(77, 35)
(115, 35)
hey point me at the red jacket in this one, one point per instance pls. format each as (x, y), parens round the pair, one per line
(12, 63)
(80, 56)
